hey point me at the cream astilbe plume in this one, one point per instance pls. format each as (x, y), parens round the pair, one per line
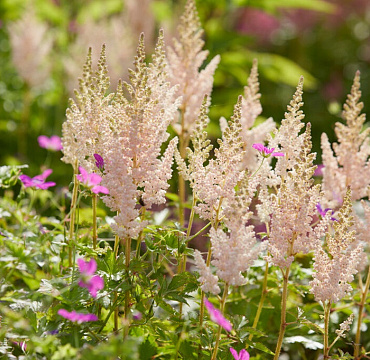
(208, 281)
(293, 209)
(134, 168)
(251, 109)
(185, 59)
(351, 165)
(31, 41)
(214, 183)
(336, 263)
(88, 116)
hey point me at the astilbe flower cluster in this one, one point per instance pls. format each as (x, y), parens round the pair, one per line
(336, 261)
(351, 165)
(185, 59)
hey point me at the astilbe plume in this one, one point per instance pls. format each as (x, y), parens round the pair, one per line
(293, 209)
(251, 109)
(336, 262)
(133, 146)
(351, 165)
(185, 59)
(208, 281)
(213, 184)
(88, 117)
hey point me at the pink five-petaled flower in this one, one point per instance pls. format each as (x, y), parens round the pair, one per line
(88, 281)
(77, 317)
(92, 181)
(99, 162)
(243, 354)
(54, 143)
(37, 181)
(216, 316)
(266, 152)
(323, 212)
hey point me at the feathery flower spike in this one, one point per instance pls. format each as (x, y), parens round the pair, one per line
(54, 143)
(88, 281)
(91, 181)
(243, 354)
(99, 162)
(266, 152)
(37, 181)
(216, 316)
(77, 317)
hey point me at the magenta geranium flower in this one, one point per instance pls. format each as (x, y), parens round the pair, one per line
(92, 282)
(99, 162)
(266, 152)
(243, 354)
(323, 212)
(216, 316)
(77, 317)
(318, 170)
(91, 181)
(37, 181)
(54, 143)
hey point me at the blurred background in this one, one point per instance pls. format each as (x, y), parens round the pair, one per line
(43, 45)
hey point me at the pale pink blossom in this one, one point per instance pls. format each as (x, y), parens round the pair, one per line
(54, 143)
(37, 181)
(91, 181)
(88, 280)
(77, 317)
(243, 354)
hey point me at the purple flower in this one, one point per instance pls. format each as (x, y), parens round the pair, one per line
(323, 212)
(91, 181)
(21, 344)
(77, 317)
(54, 143)
(99, 162)
(216, 316)
(37, 181)
(88, 281)
(243, 354)
(266, 152)
(318, 170)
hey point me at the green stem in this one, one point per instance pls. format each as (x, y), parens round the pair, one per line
(95, 232)
(260, 305)
(364, 291)
(283, 324)
(73, 212)
(327, 308)
(223, 302)
(182, 190)
(127, 294)
(75, 333)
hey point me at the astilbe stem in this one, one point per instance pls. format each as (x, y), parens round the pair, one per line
(364, 291)
(127, 294)
(223, 302)
(327, 308)
(95, 232)
(283, 324)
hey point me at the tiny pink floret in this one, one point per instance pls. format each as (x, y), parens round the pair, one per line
(92, 181)
(243, 354)
(266, 152)
(54, 143)
(77, 317)
(37, 181)
(216, 316)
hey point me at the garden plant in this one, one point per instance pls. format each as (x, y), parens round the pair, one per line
(168, 245)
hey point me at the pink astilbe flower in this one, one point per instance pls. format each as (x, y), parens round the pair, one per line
(37, 181)
(208, 281)
(54, 143)
(243, 354)
(216, 316)
(334, 268)
(91, 181)
(266, 152)
(350, 166)
(185, 59)
(77, 317)
(92, 282)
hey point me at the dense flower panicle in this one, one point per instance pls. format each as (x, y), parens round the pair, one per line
(92, 282)
(243, 354)
(216, 316)
(345, 326)
(54, 143)
(334, 268)
(351, 153)
(208, 281)
(91, 181)
(185, 60)
(37, 181)
(77, 317)
(293, 209)
(31, 41)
